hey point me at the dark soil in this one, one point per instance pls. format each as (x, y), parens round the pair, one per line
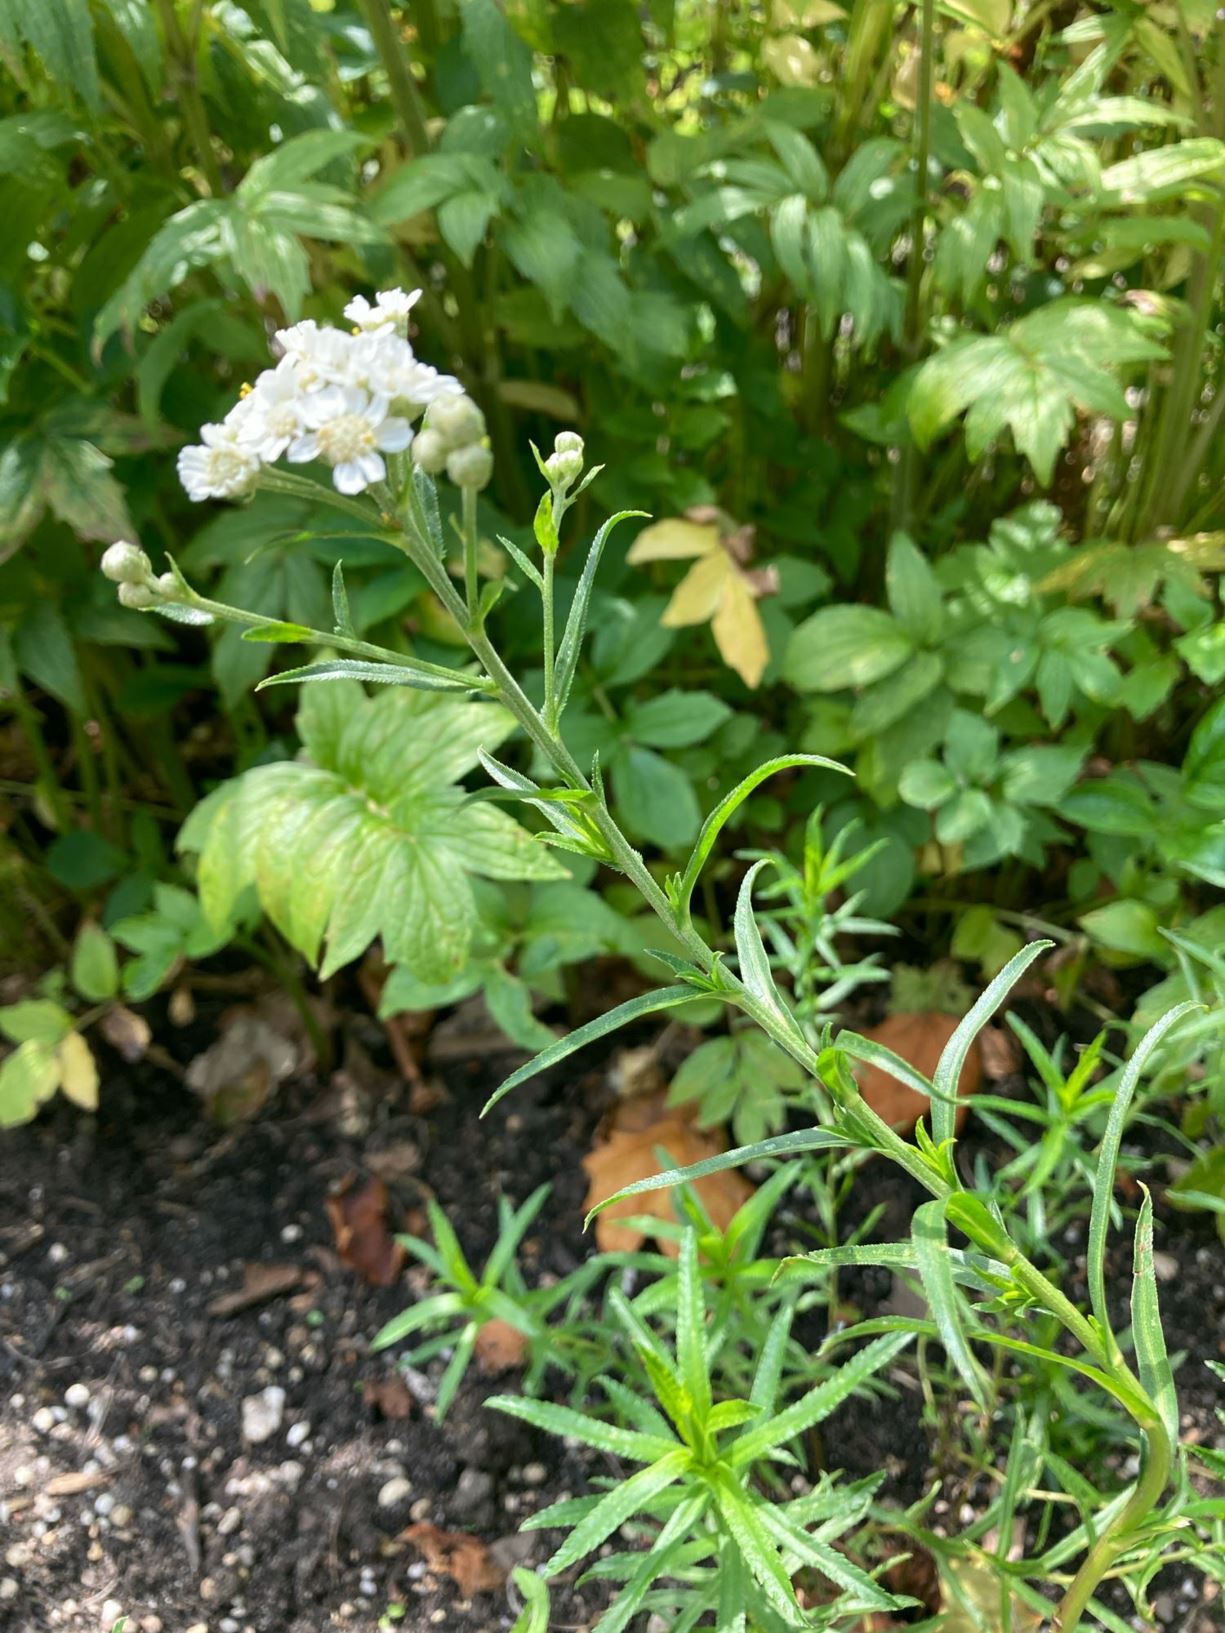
(117, 1234)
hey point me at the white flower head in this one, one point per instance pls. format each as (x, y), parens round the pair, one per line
(219, 466)
(389, 311)
(269, 417)
(351, 430)
(323, 355)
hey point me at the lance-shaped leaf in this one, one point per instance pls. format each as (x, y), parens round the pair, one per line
(647, 1004)
(948, 1069)
(727, 807)
(1108, 1157)
(561, 807)
(929, 1234)
(576, 623)
(755, 970)
(369, 834)
(421, 676)
(1152, 1362)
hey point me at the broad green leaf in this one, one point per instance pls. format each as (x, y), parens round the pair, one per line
(1107, 1162)
(654, 798)
(95, 968)
(1160, 173)
(1204, 765)
(915, 599)
(375, 838)
(35, 1020)
(30, 1075)
(503, 62)
(61, 34)
(1152, 1362)
(1126, 926)
(647, 1004)
(843, 647)
(1031, 377)
(676, 719)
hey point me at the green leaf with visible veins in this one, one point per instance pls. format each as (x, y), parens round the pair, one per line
(370, 836)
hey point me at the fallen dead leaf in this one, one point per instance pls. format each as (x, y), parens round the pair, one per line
(236, 1075)
(260, 1282)
(499, 1346)
(627, 1154)
(357, 1209)
(1001, 1052)
(128, 1033)
(389, 1396)
(462, 1557)
(919, 1039)
(71, 1485)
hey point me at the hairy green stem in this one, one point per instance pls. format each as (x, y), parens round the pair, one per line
(550, 651)
(181, 53)
(393, 54)
(905, 475)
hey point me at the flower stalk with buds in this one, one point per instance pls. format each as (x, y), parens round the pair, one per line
(349, 401)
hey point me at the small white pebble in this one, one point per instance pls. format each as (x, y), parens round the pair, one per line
(112, 1610)
(104, 1502)
(229, 1522)
(297, 1433)
(291, 1233)
(44, 1420)
(9, 1588)
(394, 1491)
(77, 1396)
(57, 1253)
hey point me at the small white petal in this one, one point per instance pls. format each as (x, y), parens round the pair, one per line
(349, 477)
(394, 435)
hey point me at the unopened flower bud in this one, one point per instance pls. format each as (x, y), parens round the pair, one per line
(429, 452)
(138, 596)
(568, 442)
(167, 587)
(470, 467)
(125, 563)
(457, 420)
(562, 468)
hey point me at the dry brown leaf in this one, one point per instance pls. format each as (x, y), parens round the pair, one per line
(627, 1153)
(499, 1346)
(260, 1282)
(390, 1396)
(128, 1033)
(1000, 1051)
(919, 1039)
(72, 1485)
(357, 1209)
(457, 1554)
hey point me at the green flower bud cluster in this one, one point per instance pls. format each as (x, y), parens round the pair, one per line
(139, 586)
(453, 439)
(564, 465)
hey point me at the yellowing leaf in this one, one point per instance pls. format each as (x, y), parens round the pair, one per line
(698, 595)
(78, 1072)
(674, 540)
(805, 13)
(739, 632)
(792, 60)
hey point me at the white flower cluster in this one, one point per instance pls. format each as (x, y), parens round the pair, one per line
(344, 398)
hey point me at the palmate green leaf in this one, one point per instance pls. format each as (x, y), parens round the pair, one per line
(1031, 377)
(374, 838)
(1108, 1157)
